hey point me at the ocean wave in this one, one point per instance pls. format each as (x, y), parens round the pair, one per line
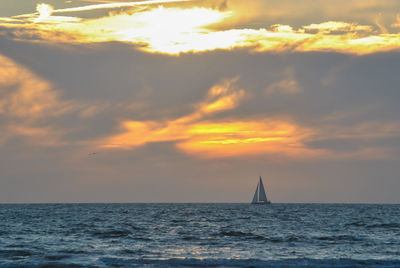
(56, 257)
(284, 239)
(7, 253)
(141, 238)
(111, 233)
(290, 263)
(15, 246)
(346, 238)
(234, 233)
(356, 224)
(384, 225)
(73, 251)
(242, 235)
(193, 262)
(251, 236)
(73, 235)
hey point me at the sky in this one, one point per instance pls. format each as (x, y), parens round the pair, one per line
(192, 101)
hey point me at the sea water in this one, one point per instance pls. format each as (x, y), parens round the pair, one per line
(187, 235)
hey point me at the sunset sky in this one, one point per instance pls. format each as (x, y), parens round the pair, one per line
(191, 101)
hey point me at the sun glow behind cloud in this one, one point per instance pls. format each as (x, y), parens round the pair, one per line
(203, 134)
(29, 105)
(181, 29)
(169, 30)
(175, 30)
(44, 11)
(198, 135)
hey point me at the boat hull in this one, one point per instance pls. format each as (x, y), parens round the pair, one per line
(261, 203)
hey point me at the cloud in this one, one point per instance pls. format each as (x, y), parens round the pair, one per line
(381, 26)
(197, 135)
(332, 27)
(223, 6)
(262, 12)
(361, 141)
(244, 117)
(160, 30)
(365, 130)
(114, 5)
(233, 137)
(288, 85)
(248, 137)
(224, 96)
(397, 23)
(26, 96)
(27, 102)
(47, 136)
(44, 10)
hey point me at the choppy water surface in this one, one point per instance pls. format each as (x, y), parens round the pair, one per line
(158, 235)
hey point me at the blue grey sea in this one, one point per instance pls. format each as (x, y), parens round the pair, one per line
(191, 235)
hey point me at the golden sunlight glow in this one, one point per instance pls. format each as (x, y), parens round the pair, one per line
(227, 139)
(217, 139)
(44, 10)
(222, 97)
(175, 30)
(170, 30)
(194, 134)
(335, 26)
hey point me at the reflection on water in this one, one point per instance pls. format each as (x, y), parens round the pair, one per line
(199, 234)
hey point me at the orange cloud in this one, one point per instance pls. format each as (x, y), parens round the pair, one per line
(26, 101)
(200, 134)
(196, 135)
(24, 95)
(249, 137)
(219, 138)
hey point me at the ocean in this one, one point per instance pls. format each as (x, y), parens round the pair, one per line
(190, 235)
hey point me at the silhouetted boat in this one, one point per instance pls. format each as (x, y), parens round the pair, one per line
(260, 198)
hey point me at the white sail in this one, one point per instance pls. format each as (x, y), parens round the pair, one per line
(259, 196)
(255, 197)
(262, 197)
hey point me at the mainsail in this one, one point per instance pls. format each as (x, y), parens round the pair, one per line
(255, 197)
(259, 196)
(262, 196)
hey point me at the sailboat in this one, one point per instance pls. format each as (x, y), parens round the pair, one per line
(260, 198)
